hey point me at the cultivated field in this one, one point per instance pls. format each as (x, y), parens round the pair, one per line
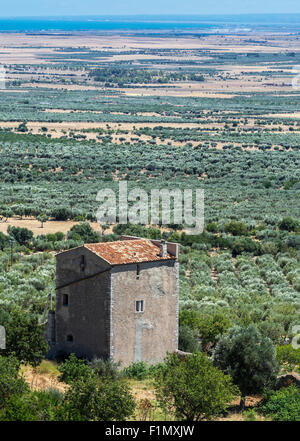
(214, 110)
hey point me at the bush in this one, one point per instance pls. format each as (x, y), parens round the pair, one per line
(48, 367)
(187, 339)
(24, 337)
(236, 228)
(22, 235)
(190, 318)
(11, 383)
(61, 213)
(249, 358)
(288, 224)
(249, 415)
(192, 388)
(84, 232)
(32, 406)
(90, 399)
(245, 244)
(73, 369)
(105, 368)
(212, 327)
(195, 326)
(4, 241)
(282, 405)
(271, 329)
(138, 370)
(212, 227)
(293, 241)
(286, 354)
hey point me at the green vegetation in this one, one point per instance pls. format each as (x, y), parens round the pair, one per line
(124, 76)
(193, 388)
(74, 369)
(282, 405)
(288, 356)
(249, 359)
(87, 399)
(24, 336)
(92, 400)
(10, 381)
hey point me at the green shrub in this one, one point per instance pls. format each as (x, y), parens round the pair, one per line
(84, 232)
(249, 415)
(187, 341)
(24, 337)
(282, 405)
(236, 228)
(22, 235)
(74, 369)
(91, 399)
(105, 368)
(249, 358)
(47, 367)
(212, 227)
(32, 406)
(288, 224)
(138, 370)
(11, 383)
(286, 354)
(192, 388)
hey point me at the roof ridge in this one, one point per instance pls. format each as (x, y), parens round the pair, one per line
(116, 241)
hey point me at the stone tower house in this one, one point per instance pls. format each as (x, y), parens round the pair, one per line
(117, 300)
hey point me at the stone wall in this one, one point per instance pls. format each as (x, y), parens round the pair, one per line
(87, 316)
(147, 335)
(287, 380)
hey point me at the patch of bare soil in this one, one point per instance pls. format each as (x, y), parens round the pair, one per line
(50, 227)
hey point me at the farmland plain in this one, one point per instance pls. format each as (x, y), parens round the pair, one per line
(212, 110)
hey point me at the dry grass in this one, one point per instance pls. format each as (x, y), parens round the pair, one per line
(43, 377)
(50, 227)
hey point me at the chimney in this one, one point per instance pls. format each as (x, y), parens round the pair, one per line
(163, 248)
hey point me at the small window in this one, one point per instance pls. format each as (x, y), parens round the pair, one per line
(70, 338)
(138, 270)
(82, 263)
(65, 299)
(139, 306)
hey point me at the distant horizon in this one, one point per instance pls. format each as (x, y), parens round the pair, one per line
(189, 15)
(148, 22)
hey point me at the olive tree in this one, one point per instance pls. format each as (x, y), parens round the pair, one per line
(192, 388)
(249, 358)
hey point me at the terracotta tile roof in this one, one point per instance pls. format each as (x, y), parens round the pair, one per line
(127, 251)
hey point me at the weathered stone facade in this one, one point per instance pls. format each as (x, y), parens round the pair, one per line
(96, 301)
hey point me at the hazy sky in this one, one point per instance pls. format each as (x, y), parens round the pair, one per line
(101, 7)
